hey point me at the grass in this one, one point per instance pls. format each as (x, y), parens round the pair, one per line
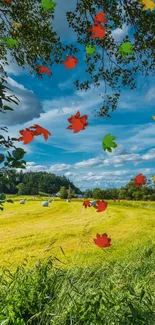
(79, 283)
(31, 232)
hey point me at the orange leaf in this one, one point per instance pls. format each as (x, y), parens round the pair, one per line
(39, 130)
(77, 123)
(27, 136)
(100, 18)
(42, 69)
(86, 204)
(98, 31)
(140, 180)
(101, 206)
(70, 62)
(102, 240)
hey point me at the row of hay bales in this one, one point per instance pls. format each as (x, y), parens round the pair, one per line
(46, 203)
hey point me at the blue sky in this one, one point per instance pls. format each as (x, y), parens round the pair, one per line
(51, 101)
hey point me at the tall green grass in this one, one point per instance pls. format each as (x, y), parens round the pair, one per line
(113, 293)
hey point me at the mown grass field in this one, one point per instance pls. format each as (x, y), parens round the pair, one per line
(34, 232)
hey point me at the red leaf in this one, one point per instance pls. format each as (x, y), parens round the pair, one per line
(77, 123)
(98, 31)
(102, 240)
(70, 62)
(140, 180)
(39, 130)
(101, 206)
(100, 18)
(86, 204)
(8, 1)
(27, 136)
(43, 69)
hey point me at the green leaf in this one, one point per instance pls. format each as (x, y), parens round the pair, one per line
(18, 153)
(8, 108)
(48, 5)
(90, 49)
(108, 143)
(10, 42)
(2, 197)
(126, 49)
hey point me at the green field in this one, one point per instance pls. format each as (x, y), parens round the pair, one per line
(34, 232)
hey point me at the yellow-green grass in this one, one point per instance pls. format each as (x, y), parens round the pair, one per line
(34, 232)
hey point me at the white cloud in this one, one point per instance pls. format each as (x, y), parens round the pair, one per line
(59, 167)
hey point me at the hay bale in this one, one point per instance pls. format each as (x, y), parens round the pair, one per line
(22, 202)
(45, 204)
(50, 201)
(93, 203)
(68, 200)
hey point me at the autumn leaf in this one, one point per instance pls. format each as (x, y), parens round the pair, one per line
(153, 117)
(140, 180)
(70, 62)
(126, 49)
(27, 136)
(8, 1)
(153, 178)
(90, 49)
(86, 204)
(10, 42)
(48, 5)
(42, 69)
(98, 31)
(77, 123)
(108, 143)
(39, 130)
(102, 240)
(100, 18)
(148, 4)
(15, 24)
(101, 206)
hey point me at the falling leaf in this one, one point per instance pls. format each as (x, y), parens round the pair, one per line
(16, 24)
(90, 49)
(48, 4)
(77, 123)
(86, 204)
(148, 4)
(39, 130)
(153, 178)
(108, 143)
(27, 136)
(140, 180)
(100, 18)
(70, 62)
(153, 117)
(101, 206)
(98, 31)
(10, 42)
(126, 49)
(102, 240)
(42, 69)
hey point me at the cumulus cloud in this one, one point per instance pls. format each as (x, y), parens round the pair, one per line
(29, 106)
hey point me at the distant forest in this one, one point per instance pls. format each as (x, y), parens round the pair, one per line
(35, 183)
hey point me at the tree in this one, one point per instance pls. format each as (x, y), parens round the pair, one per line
(63, 193)
(97, 194)
(88, 194)
(69, 193)
(21, 190)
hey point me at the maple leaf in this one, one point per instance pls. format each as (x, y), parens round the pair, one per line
(78, 123)
(70, 62)
(48, 5)
(126, 49)
(101, 206)
(100, 18)
(90, 49)
(153, 117)
(42, 69)
(27, 136)
(140, 180)
(108, 143)
(98, 31)
(10, 42)
(102, 240)
(15, 24)
(86, 204)
(39, 130)
(148, 4)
